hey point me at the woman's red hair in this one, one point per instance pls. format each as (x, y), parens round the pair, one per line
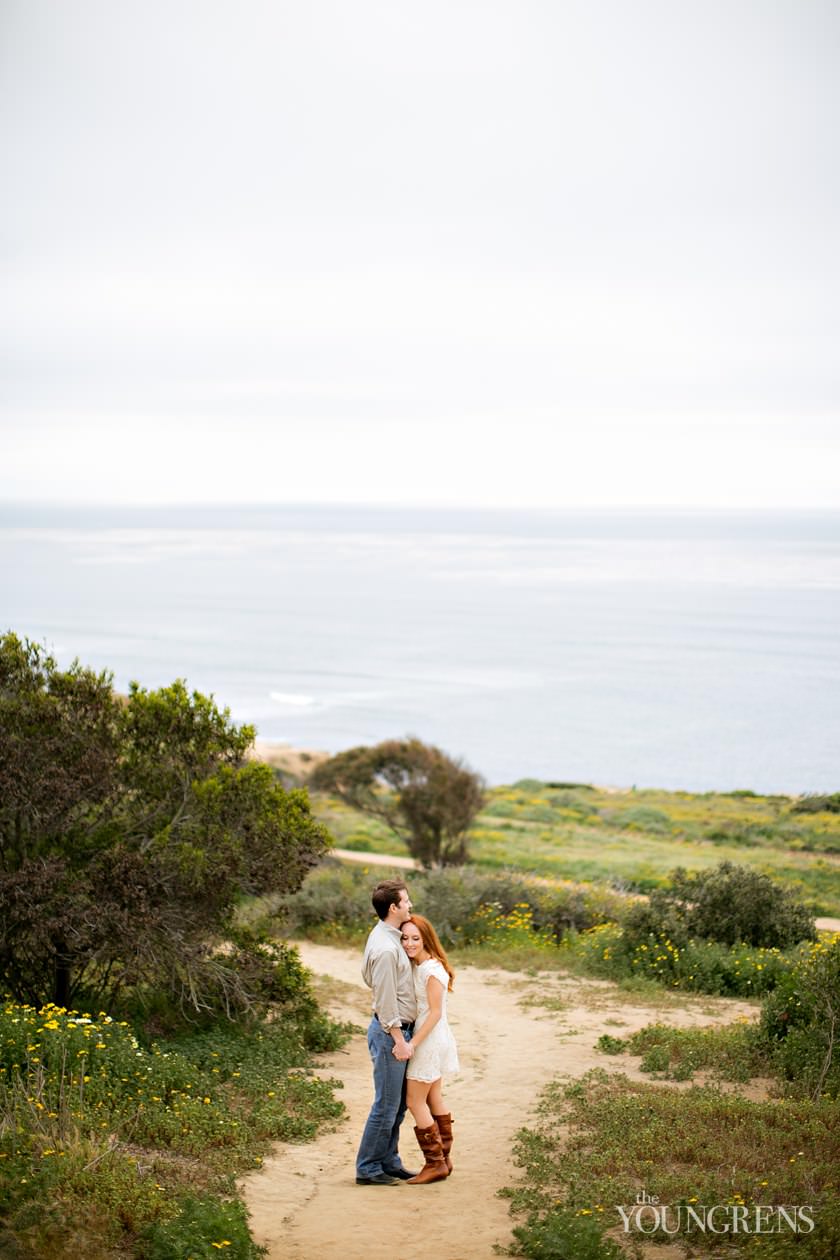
(432, 944)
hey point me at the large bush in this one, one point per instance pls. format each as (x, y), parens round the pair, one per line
(814, 803)
(696, 966)
(336, 899)
(800, 1020)
(129, 829)
(728, 904)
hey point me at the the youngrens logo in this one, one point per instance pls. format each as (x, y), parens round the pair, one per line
(648, 1216)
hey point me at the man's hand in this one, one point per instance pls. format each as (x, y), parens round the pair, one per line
(402, 1049)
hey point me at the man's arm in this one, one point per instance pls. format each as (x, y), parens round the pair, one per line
(383, 975)
(402, 1049)
(383, 982)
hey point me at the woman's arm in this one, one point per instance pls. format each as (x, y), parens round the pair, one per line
(434, 996)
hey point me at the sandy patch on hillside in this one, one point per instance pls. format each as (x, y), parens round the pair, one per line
(514, 1033)
(298, 763)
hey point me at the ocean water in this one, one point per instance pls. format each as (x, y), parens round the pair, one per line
(671, 650)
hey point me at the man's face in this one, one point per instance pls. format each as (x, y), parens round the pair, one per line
(402, 910)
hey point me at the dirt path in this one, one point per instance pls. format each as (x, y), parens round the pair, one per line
(514, 1033)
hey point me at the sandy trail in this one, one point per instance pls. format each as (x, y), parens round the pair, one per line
(514, 1033)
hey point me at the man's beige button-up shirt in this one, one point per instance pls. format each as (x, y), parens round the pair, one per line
(387, 971)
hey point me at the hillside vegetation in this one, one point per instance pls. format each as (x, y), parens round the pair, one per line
(725, 886)
(632, 839)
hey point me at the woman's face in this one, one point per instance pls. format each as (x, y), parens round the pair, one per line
(412, 941)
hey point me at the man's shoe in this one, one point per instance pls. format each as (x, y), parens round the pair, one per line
(381, 1179)
(402, 1173)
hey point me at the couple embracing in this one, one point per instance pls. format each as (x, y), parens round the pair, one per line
(410, 1042)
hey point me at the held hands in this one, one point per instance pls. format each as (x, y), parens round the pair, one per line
(402, 1049)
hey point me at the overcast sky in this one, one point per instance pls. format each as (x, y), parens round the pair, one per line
(549, 252)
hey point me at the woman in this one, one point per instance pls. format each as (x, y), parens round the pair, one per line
(433, 1049)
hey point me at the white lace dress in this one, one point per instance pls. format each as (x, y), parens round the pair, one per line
(438, 1053)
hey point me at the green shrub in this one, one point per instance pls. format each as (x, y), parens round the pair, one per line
(204, 1229)
(563, 1234)
(655, 919)
(710, 967)
(813, 803)
(575, 909)
(738, 834)
(600, 951)
(469, 906)
(573, 803)
(501, 809)
(360, 842)
(800, 1021)
(800, 835)
(571, 787)
(641, 818)
(457, 899)
(539, 811)
(505, 930)
(332, 896)
(695, 966)
(80, 1093)
(731, 1053)
(281, 985)
(610, 1045)
(727, 904)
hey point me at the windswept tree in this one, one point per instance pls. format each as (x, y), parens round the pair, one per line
(427, 798)
(129, 829)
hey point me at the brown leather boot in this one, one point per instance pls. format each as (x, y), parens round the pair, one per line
(434, 1168)
(444, 1124)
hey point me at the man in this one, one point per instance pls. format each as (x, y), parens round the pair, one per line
(387, 972)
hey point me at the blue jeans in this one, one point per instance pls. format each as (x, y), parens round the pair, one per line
(378, 1147)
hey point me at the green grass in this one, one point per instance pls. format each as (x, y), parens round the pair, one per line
(351, 830)
(700, 966)
(603, 1140)
(632, 839)
(731, 1053)
(113, 1147)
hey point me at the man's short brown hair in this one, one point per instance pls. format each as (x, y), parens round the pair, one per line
(387, 894)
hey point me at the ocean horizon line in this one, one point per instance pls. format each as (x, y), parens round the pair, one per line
(264, 505)
(573, 521)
